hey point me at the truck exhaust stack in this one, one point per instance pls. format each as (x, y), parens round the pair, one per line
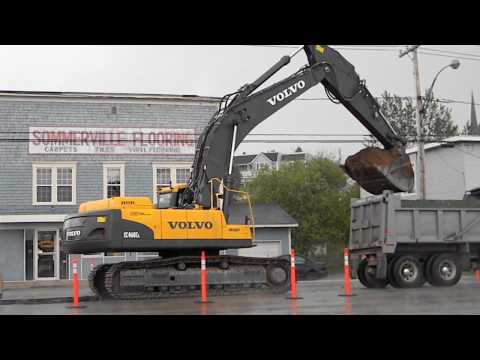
(377, 170)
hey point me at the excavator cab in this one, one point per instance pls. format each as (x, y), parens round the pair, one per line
(168, 197)
(174, 197)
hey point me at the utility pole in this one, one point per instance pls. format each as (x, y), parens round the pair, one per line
(419, 112)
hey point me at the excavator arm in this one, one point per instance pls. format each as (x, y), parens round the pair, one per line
(375, 170)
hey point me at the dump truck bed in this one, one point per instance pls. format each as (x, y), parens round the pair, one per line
(388, 221)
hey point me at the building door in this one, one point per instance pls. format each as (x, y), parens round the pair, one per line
(46, 254)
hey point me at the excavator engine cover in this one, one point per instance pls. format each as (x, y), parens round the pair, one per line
(377, 170)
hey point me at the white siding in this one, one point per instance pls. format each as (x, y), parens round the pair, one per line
(472, 165)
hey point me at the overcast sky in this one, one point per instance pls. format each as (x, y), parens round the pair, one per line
(218, 69)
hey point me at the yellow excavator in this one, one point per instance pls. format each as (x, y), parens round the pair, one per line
(194, 217)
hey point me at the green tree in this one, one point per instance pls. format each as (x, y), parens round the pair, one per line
(317, 195)
(401, 114)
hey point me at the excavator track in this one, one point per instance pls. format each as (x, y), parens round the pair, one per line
(180, 277)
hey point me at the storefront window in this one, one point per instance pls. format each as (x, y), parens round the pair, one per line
(53, 184)
(44, 185)
(114, 180)
(113, 183)
(163, 178)
(64, 184)
(183, 175)
(165, 175)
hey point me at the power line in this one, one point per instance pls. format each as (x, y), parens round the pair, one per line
(426, 51)
(292, 141)
(446, 56)
(447, 101)
(302, 141)
(451, 52)
(297, 134)
(197, 134)
(119, 141)
(335, 47)
(264, 141)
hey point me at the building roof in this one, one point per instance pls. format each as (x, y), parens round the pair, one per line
(9, 94)
(273, 156)
(293, 157)
(451, 140)
(265, 215)
(243, 159)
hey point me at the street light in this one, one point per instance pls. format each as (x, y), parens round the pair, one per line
(455, 64)
(420, 109)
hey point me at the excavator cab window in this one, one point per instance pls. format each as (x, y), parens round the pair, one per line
(175, 198)
(167, 200)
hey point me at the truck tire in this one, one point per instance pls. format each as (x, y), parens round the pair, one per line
(407, 272)
(445, 270)
(360, 275)
(391, 279)
(427, 270)
(368, 279)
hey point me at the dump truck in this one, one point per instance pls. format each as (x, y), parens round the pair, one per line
(406, 243)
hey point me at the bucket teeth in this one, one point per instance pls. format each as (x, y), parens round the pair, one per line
(377, 170)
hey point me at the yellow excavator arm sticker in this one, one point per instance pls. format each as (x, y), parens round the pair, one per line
(321, 49)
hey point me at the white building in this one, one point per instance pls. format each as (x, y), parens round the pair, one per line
(249, 165)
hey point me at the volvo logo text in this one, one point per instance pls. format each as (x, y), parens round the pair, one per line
(286, 93)
(190, 225)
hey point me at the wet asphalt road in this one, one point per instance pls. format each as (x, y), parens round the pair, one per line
(319, 298)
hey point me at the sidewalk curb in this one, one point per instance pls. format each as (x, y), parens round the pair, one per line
(55, 300)
(13, 285)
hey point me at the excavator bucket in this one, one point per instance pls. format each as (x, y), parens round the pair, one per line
(377, 170)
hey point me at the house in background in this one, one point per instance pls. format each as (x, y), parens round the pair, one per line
(273, 229)
(249, 165)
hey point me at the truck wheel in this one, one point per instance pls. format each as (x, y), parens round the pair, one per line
(445, 270)
(360, 274)
(391, 279)
(366, 275)
(427, 270)
(407, 272)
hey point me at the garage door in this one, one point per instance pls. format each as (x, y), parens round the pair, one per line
(266, 249)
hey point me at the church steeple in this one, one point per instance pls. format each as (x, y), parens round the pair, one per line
(473, 128)
(473, 115)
